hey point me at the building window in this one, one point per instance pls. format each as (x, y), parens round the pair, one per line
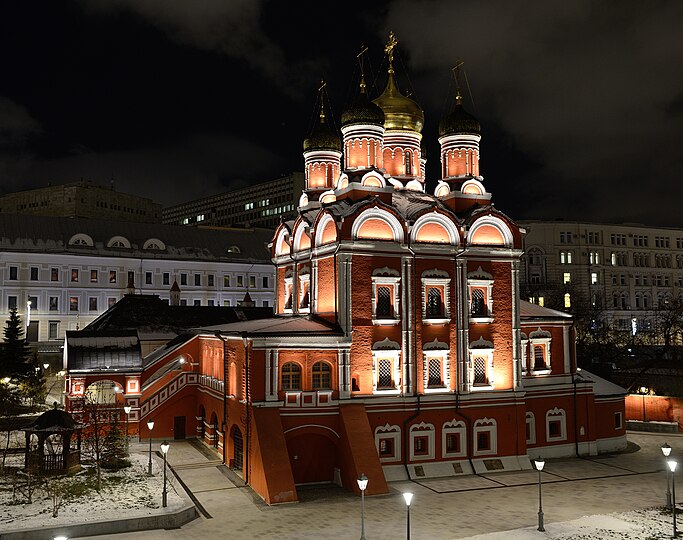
(291, 376)
(478, 303)
(289, 293)
(556, 425)
(435, 378)
(480, 371)
(565, 257)
(252, 282)
(480, 289)
(210, 279)
(197, 280)
(11, 302)
(266, 282)
(33, 301)
(148, 278)
(384, 373)
(13, 273)
(112, 276)
(74, 275)
(454, 440)
(34, 273)
(196, 303)
(73, 303)
(131, 278)
(385, 283)
(594, 278)
(530, 428)
(53, 330)
(240, 281)
(434, 303)
(110, 302)
(539, 358)
(567, 278)
(618, 420)
(422, 441)
(485, 436)
(304, 292)
(54, 274)
(388, 442)
(54, 303)
(92, 303)
(386, 447)
(567, 300)
(166, 278)
(420, 446)
(226, 281)
(383, 307)
(183, 279)
(321, 376)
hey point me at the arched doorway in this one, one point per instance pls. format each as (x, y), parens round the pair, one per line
(238, 450)
(313, 458)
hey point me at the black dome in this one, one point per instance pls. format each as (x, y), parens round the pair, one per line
(322, 138)
(54, 418)
(459, 121)
(363, 111)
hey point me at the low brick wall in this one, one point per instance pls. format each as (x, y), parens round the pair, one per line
(647, 409)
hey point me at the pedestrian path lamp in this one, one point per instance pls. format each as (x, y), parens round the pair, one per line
(164, 497)
(127, 409)
(150, 426)
(539, 467)
(672, 465)
(362, 485)
(408, 497)
(666, 450)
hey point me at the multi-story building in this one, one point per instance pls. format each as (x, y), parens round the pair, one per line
(63, 273)
(626, 271)
(82, 200)
(400, 347)
(260, 205)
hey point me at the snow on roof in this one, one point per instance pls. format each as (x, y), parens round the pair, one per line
(277, 325)
(601, 387)
(527, 310)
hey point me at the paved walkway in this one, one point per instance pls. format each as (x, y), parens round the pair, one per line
(441, 509)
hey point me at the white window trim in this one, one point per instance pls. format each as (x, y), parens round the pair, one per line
(442, 356)
(422, 430)
(289, 284)
(303, 280)
(454, 426)
(394, 356)
(437, 282)
(395, 283)
(389, 432)
(531, 422)
(620, 416)
(483, 425)
(556, 414)
(480, 279)
(543, 338)
(484, 348)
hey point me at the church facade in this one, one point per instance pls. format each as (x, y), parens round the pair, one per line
(399, 346)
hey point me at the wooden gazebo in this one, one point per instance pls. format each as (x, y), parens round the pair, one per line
(53, 454)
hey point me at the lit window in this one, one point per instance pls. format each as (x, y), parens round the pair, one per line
(594, 278)
(74, 275)
(567, 300)
(384, 373)
(434, 303)
(291, 376)
(321, 376)
(73, 303)
(434, 370)
(566, 278)
(541, 301)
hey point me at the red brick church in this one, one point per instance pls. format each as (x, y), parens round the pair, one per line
(399, 346)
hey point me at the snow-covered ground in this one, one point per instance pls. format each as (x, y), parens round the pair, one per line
(133, 494)
(651, 524)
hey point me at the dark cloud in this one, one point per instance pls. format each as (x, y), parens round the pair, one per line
(586, 88)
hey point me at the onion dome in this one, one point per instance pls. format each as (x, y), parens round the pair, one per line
(400, 112)
(459, 121)
(322, 137)
(362, 111)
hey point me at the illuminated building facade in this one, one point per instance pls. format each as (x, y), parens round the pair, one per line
(400, 346)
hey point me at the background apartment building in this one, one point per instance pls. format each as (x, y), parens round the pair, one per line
(261, 205)
(63, 273)
(82, 199)
(626, 270)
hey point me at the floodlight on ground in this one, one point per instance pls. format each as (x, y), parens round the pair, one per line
(60, 538)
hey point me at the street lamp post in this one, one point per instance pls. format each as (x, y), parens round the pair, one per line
(408, 497)
(127, 409)
(539, 467)
(150, 425)
(643, 391)
(666, 450)
(164, 497)
(672, 465)
(362, 484)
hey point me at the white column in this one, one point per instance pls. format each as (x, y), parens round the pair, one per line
(566, 343)
(516, 349)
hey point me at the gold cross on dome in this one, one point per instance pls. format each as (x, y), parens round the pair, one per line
(390, 46)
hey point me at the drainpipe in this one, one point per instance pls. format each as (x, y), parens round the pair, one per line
(225, 395)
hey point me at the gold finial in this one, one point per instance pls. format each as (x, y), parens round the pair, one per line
(363, 50)
(389, 50)
(456, 70)
(321, 89)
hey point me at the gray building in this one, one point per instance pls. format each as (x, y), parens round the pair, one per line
(260, 205)
(626, 270)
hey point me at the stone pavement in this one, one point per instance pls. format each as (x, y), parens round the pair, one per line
(441, 509)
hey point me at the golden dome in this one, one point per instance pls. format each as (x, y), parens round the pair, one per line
(400, 112)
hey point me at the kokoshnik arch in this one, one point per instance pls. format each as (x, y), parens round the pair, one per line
(399, 346)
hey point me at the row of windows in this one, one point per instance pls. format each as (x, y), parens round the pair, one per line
(112, 277)
(619, 239)
(321, 376)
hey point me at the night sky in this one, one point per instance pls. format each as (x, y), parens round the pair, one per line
(581, 102)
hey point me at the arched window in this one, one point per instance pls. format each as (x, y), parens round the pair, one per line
(478, 303)
(321, 376)
(539, 358)
(434, 304)
(384, 302)
(409, 162)
(480, 371)
(291, 376)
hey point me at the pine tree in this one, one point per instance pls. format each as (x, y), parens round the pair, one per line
(34, 385)
(15, 351)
